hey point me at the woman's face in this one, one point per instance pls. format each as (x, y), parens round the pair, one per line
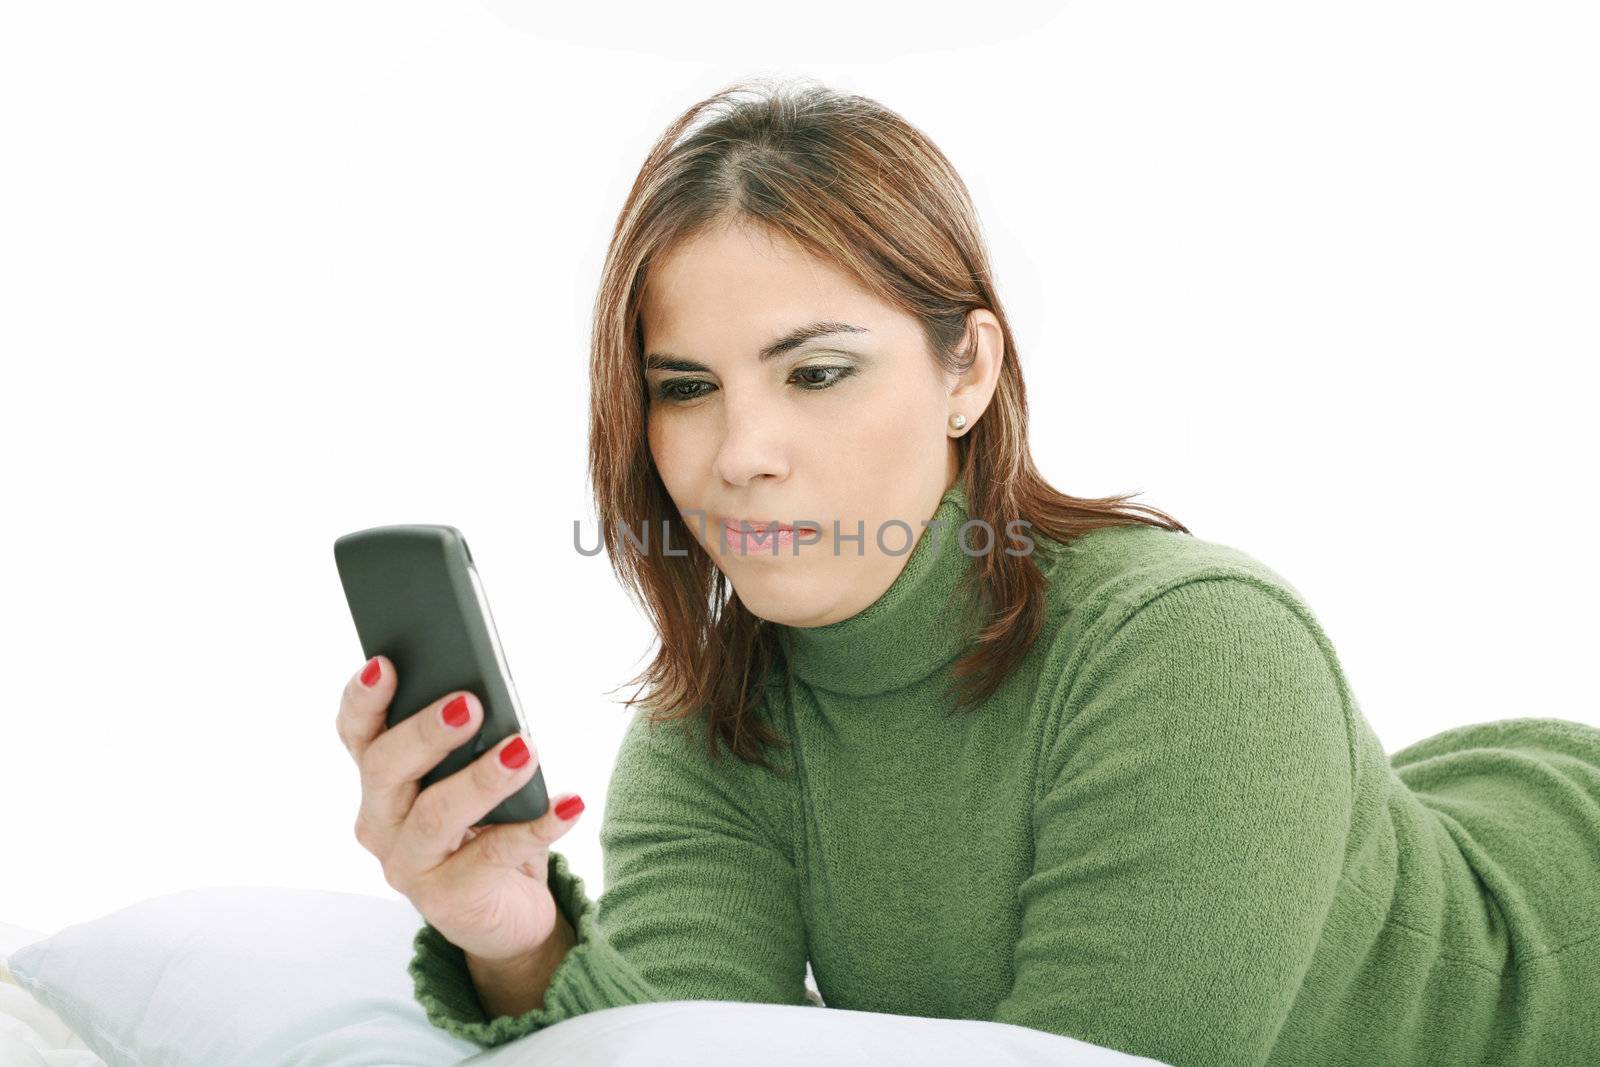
(849, 427)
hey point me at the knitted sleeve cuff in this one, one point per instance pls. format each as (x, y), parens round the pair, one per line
(591, 977)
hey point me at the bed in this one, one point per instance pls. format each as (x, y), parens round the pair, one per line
(246, 975)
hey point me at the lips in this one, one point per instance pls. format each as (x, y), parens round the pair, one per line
(741, 525)
(747, 536)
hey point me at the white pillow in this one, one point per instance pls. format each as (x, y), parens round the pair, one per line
(241, 975)
(246, 975)
(720, 1033)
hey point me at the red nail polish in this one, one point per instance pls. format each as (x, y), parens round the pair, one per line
(515, 754)
(569, 808)
(456, 713)
(371, 671)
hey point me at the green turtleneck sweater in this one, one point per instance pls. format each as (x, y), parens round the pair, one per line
(1170, 832)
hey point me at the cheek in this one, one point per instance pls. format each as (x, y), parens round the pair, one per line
(667, 455)
(668, 442)
(683, 457)
(653, 441)
(891, 422)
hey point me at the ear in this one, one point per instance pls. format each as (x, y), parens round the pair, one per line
(986, 348)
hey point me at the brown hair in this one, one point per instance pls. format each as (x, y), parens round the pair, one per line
(854, 184)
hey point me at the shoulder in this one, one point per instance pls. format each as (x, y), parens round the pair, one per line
(1137, 562)
(665, 766)
(1101, 579)
(1143, 609)
(1183, 655)
(681, 746)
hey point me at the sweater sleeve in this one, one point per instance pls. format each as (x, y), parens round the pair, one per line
(1190, 830)
(701, 899)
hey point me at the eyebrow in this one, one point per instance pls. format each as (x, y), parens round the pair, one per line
(788, 342)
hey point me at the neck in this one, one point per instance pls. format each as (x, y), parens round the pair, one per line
(922, 622)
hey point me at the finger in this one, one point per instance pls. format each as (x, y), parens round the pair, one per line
(434, 826)
(363, 704)
(394, 763)
(508, 846)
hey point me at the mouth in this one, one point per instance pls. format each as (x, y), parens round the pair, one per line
(751, 526)
(746, 535)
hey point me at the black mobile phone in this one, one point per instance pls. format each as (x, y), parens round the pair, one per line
(416, 598)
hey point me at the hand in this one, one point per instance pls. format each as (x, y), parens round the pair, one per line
(484, 889)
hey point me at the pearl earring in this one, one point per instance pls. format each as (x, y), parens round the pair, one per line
(958, 421)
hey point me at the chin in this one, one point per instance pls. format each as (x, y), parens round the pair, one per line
(788, 601)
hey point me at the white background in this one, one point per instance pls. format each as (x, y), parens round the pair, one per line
(1319, 280)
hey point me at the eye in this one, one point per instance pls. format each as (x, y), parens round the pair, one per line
(814, 385)
(669, 390)
(684, 390)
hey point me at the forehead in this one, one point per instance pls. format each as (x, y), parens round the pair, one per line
(745, 277)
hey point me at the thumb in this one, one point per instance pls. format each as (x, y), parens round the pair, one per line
(510, 845)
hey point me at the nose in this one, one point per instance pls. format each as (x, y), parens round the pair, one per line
(754, 442)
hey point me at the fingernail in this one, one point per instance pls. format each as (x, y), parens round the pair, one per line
(569, 808)
(515, 754)
(456, 713)
(371, 671)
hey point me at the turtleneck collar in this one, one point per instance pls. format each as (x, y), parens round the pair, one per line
(920, 623)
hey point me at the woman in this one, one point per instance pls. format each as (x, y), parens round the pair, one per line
(993, 751)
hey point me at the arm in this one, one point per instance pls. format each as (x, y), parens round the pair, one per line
(701, 899)
(1196, 799)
